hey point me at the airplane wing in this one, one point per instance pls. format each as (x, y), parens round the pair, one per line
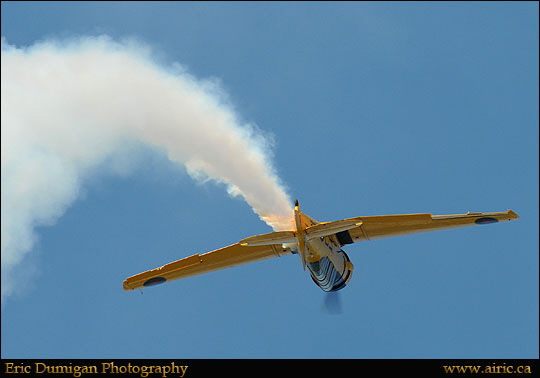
(377, 227)
(230, 256)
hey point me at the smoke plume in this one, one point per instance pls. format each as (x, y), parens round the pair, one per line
(69, 106)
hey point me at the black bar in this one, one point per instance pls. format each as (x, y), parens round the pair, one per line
(191, 368)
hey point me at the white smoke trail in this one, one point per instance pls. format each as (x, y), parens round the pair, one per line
(68, 106)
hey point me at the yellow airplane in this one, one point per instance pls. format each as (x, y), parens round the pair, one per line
(318, 244)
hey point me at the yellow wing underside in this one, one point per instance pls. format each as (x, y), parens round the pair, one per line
(222, 258)
(377, 227)
(370, 228)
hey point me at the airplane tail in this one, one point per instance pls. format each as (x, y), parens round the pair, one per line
(312, 232)
(278, 237)
(306, 229)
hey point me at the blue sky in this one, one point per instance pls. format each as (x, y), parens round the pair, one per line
(373, 108)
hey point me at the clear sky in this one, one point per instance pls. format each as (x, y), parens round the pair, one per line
(372, 109)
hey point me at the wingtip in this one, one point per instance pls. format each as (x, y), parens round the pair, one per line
(513, 214)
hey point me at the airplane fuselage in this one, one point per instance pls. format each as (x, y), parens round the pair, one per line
(328, 264)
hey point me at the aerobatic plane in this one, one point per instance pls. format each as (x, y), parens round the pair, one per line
(318, 245)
